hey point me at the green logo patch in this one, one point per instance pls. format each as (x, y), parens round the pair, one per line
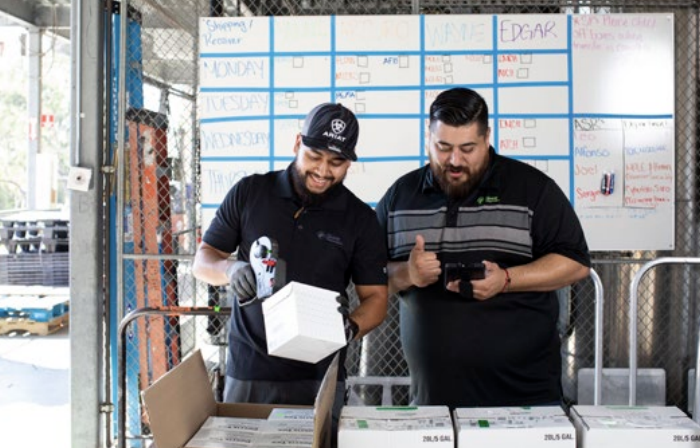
(488, 200)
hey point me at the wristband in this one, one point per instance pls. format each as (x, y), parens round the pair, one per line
(506, 283)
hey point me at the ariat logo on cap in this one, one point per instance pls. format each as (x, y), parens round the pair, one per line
(340, 138)
(338, 126)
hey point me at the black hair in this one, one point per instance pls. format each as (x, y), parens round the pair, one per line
(460, 106)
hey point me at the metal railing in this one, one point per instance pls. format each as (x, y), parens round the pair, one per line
(598, 339)
(633, 317)
(121, 356)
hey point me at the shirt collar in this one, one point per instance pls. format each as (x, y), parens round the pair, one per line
(283, 184)
(283, 187)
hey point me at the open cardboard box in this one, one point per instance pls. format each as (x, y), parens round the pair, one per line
(181, 400)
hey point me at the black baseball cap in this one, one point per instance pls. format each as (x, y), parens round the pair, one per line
(333, 127)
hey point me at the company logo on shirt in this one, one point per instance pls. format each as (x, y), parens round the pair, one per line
(488, 200)
(333, 239)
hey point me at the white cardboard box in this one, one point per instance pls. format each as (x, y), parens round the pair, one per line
(302, 322)
(395, 427)
(634, 426)
(524, 427)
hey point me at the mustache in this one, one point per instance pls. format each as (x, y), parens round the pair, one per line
(450, 167)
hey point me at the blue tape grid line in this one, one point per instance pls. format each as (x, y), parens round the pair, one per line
(421, 52)
(570, 70)
(415, 116)
(337, 88)
(421, 147)
(333, 56)
(421, 87)
(494, 112)
(272, 93)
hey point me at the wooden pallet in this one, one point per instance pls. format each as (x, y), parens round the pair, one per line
(13, 325)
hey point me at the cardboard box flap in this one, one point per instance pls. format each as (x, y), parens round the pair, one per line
(623, 411)
(179, 402)
(536, 411)
(395, 412)
(323, 406)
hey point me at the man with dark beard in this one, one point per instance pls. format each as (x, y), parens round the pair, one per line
(491, 341)
(326, 236)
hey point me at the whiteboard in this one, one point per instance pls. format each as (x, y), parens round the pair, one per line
(587, 99)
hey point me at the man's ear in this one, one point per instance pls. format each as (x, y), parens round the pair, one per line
(297, 144)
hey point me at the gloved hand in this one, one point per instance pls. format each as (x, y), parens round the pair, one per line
(349, 325)
(242, 280)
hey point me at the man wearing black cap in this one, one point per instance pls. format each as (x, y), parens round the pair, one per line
(326, 236)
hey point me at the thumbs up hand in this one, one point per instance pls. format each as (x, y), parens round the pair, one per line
(423, 267)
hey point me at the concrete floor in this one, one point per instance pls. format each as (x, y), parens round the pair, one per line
(35, 391)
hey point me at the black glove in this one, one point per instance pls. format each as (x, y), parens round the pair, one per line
(349, 325)
(242, 280)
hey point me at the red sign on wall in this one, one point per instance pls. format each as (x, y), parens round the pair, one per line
(47, 120)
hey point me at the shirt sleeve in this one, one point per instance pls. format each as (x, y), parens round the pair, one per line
(369, 258)
(556, 227)
(382, 212)
(224, 232)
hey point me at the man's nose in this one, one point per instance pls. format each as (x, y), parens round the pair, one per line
(324, 168)
(455, 158)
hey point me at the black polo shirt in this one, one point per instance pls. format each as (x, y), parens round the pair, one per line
(499, 352)
(325, 246)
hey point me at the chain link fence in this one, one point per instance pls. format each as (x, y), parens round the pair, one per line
(161, 217)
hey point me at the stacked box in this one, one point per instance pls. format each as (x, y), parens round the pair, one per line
(395, 427)
(524, 427)
(634, 426)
